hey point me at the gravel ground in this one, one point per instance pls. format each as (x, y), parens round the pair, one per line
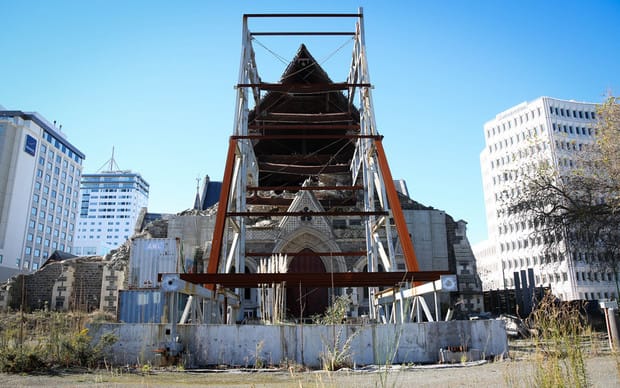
(602, 372)
(602, 368)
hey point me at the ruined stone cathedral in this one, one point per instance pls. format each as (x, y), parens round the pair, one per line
(296, 175)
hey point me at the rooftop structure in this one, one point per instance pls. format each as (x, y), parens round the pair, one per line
(110, 206)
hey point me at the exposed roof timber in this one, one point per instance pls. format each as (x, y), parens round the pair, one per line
(304, 88)
(307, 117)
(306, 279)
(297, 158)
(326, 213)
(302, 170)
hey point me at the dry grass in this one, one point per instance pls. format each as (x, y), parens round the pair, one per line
(45, 340)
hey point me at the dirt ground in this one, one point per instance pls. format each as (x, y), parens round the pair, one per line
(602, 368)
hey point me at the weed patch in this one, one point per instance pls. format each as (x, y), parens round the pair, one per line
(43, 340)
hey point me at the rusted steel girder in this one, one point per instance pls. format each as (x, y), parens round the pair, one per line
(220, 219)
(302, 188)
(303, 33)
(307, 253)
(397, 212)
(284, 214)
(306, 137)
(304, 88)
(315, 127)
(312, 279)
(303, 15)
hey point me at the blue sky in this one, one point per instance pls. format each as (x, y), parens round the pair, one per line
(154, 79)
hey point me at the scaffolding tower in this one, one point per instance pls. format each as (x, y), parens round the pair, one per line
(277, 150)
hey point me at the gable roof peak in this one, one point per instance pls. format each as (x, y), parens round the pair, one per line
(304, 68)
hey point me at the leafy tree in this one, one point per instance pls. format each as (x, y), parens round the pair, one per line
(577, 209)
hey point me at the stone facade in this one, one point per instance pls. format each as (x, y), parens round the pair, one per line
(93, 282)
(71, 284)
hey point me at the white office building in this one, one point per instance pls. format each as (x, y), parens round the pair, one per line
(544, 129)
(111, 203)
(39, 188)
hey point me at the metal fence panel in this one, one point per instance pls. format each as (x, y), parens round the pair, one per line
(140, 306)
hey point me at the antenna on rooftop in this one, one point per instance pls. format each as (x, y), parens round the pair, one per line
(113, 167)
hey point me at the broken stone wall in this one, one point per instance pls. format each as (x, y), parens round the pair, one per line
(86, 286)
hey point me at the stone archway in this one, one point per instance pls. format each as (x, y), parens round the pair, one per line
(304, 302)
(316, 240)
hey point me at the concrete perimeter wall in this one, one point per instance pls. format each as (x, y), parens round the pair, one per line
(243, 345)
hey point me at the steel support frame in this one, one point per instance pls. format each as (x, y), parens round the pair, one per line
(371, 160)
(241, 171)
(400, 305)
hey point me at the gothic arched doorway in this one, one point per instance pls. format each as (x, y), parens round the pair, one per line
(311, 300)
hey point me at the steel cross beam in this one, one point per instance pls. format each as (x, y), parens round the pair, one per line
(314, 279)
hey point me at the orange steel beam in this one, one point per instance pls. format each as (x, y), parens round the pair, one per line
(397, 212)
(222, 207)
(312, 279)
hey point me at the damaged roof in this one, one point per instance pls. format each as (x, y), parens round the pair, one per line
(304, 121)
